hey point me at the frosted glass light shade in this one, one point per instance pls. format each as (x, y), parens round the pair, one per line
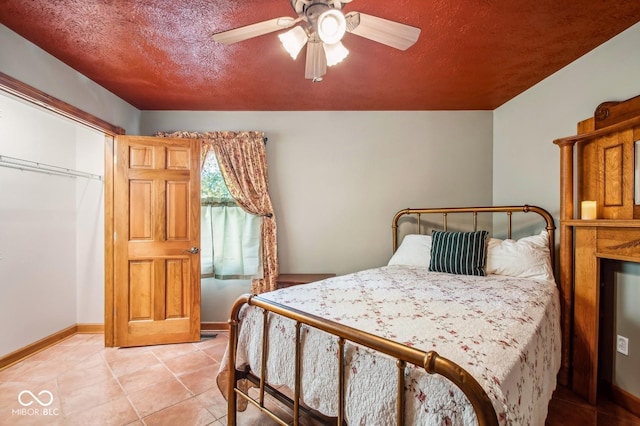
(316, 65)
(331, 26)
(293, 41)
(335, 53)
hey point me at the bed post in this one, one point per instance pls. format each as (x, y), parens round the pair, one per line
(232, 399)
(231, 392)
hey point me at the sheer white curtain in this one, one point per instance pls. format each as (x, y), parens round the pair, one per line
(230, 243)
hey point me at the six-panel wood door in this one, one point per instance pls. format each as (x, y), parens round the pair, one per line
(156, 295)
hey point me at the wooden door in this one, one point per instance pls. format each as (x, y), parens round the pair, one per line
(156, 240)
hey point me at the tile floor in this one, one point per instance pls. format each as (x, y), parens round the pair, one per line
(80, 382)
(93, 385)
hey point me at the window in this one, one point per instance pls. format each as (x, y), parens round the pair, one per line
(230, 237)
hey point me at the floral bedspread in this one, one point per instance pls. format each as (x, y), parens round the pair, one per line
(504, 331)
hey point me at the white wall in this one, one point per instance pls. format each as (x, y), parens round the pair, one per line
(526, 163)
(51, 228)
(337, 178)
(48, 258)
(217, 297)
(28, 63)
(89, 150)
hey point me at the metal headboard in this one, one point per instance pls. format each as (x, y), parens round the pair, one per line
(445, 212)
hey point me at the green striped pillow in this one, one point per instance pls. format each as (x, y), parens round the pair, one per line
(463, 253)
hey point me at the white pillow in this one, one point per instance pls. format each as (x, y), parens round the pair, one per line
(415, 250)
(526, 258)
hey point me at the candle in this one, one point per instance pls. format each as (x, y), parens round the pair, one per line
(588, 210)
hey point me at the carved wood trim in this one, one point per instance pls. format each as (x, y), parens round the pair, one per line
(612, 112)
(630, 244)
(584, 137)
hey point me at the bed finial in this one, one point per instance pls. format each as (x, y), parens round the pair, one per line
(430, 362)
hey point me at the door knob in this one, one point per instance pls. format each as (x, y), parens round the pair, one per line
(192, 250)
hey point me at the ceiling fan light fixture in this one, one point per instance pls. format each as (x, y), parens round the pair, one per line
(323, 31)
(335, 53)
(331, 26)
(293, 41)
(316, 65)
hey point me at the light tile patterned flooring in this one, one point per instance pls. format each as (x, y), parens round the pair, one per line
(93, 385)
(169, 385)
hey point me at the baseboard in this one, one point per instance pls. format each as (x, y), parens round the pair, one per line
(563, 377)
(42, 344)
(35, 347)
(90, 328)
(214, 326)
(626, 400)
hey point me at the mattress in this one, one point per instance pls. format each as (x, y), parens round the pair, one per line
(504, 331)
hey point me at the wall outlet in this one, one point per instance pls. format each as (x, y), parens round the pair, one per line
(622, 345)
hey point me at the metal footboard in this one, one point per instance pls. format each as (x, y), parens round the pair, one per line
(430, 361)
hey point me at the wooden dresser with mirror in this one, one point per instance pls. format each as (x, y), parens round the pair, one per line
(599, 164)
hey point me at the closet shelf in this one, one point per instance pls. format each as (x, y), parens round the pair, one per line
(20, 164)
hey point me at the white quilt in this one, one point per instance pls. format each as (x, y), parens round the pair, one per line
(504, 331)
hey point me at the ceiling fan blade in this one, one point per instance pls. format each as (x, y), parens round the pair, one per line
(254, 30)
(391, 33)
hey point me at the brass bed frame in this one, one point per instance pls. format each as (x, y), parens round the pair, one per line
(431, 361)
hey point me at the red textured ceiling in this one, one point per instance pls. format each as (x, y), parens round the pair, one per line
(472, 54)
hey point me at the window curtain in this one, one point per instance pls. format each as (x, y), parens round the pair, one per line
(230, 246)
(243, 164)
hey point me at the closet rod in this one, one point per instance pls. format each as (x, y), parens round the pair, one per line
(20, 164)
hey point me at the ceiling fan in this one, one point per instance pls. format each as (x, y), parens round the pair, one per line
(324, 27)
